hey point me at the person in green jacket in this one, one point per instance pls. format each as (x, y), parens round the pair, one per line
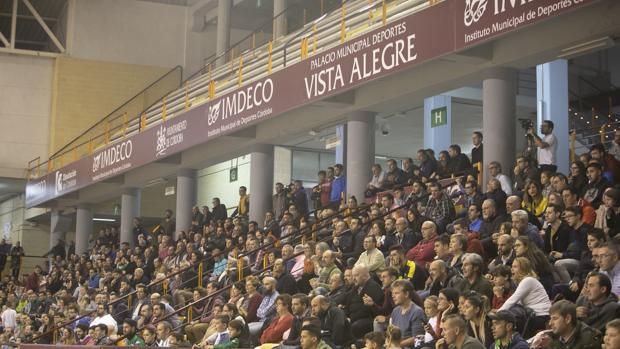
(129, 331)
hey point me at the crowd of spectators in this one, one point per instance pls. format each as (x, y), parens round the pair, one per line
(431, 259)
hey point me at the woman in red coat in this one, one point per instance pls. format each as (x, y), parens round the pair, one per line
(274, 332)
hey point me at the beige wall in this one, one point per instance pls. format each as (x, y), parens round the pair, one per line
(25, 108)
(84, 91)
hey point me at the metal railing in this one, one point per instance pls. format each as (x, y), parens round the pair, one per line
(309, 232)
(249, 61)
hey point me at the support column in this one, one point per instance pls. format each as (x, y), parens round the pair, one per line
(498, 120)
(186, 199)
(57, 227)
(130, 208)
(341, 151)
(222, 42)
(83, 228)
(261, 181)
(360, 152)
(279, 21)
(437, 123)
(552, 105)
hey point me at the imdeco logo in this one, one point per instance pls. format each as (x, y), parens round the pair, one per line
(214, 113)
(474, 9)
(111, 156)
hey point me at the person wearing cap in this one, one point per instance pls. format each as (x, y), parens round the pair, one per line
(503, 326)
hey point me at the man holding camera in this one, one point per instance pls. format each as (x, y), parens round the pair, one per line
(547, 146)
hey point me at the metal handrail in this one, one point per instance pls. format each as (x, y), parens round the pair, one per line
(259, 272)
(196, 89)
(300, 233)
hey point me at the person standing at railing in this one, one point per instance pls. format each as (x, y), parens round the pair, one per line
(4, 253)
(476, 151)
(219, 210)
(243, 208)
(279, 201)
(167, 224)
(339, 185)
(547, 146)
(17, 252)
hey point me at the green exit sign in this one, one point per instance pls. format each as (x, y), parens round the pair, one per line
(439, 116)
(233, 175)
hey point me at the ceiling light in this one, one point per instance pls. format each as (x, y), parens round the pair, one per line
(586, 47)
(104, 219)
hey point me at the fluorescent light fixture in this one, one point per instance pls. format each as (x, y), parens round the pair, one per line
(104, 219)
(586, 47)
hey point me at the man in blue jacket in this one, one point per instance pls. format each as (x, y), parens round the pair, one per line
(339, 185)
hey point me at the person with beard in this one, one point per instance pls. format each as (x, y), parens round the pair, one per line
(130, 333)
(593, 191)
(335, 327)
(103, 317)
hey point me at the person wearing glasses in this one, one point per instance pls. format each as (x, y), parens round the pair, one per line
(607, 258)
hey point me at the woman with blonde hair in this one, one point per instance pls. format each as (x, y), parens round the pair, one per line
(530, 293)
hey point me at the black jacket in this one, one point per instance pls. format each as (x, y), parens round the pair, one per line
(355, 304)
(560, 240)
(335, 327)
(286, 284)
(220, 213)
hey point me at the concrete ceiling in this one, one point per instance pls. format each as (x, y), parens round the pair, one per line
(10, 187)
(406, 125)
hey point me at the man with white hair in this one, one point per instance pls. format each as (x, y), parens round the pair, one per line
(473, 280)
(522, 227)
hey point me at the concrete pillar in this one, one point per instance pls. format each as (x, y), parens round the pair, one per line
(83, 228)
(58, 227)
(186, 199)
(261, 181)
(360, 152)
(279, 21)
(498, 120)
(341, 151)
(552, 101)
(222, 41)
(438, 123)
(130, 208)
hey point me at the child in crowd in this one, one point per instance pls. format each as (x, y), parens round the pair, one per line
(502, 286)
